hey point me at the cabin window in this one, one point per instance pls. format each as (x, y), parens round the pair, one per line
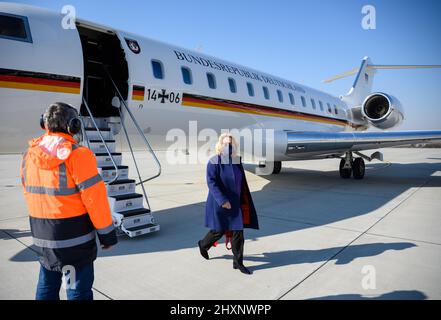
(280, 95)
(291, 98)
(186, 75)
(158, 70)
(303, 101)
(313, 104)
(250, 89)
(335, 109)
(211, 80)
(329, 108)
(266, 93)
(232, 84)
(321, 105)
(14, 27)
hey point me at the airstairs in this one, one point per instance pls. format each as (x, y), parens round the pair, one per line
(105, 115)
(131, 211)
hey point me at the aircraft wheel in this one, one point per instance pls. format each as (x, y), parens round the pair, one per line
(345, 173)
(358, 168)
(277, 167)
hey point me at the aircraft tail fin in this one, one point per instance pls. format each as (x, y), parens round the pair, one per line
(362, 86)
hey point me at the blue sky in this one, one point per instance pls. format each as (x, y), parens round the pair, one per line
(303, 41)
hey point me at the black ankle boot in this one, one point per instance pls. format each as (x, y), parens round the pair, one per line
(242, 268)
(203, 252)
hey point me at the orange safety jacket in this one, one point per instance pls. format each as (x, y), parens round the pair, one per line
(67, 201)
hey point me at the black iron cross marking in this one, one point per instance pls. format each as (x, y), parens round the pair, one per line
(163, 96)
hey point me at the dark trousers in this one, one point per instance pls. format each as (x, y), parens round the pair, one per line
(237, 243)
(79, 286)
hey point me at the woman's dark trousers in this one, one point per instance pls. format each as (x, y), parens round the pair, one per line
(237, 244)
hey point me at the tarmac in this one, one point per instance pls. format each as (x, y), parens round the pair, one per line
(320, 237)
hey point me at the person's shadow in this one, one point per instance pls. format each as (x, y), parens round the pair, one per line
(394, 295)
(341, 255)
(6, 234)
(28, 254)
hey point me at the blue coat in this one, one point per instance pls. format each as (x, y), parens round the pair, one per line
(222, 188)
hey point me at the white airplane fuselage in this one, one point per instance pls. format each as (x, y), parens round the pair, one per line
(51, 67)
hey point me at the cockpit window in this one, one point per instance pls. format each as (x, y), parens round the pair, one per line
(14, 27)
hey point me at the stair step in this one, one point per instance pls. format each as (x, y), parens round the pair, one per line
(144, 226)
(134, 212)
(138, 220)
(132, 217)
(108, 172)
(94, 129)
(92, 134)
(122, 181)
(101, 141)
(121, 186)
(106, 168)
(97, 146)
(127, 196)
(100, 122)
(140, 230)
(100, 154)
(104, 159)
(126, 201)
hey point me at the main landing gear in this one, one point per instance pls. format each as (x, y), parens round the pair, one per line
(277, 166)
(350, 166)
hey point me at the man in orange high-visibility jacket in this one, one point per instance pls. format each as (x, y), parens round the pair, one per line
(68, 205)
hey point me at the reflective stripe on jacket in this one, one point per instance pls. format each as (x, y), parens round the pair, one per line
(67, 201)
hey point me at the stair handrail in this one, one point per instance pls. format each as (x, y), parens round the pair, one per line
(133, 157)
(83, 132)
(103, 140)
(141, 133)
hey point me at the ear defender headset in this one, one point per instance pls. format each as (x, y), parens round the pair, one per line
(42, 122)
(73, 126)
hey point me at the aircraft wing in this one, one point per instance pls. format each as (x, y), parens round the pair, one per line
(328, 144)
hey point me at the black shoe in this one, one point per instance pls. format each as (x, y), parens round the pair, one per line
(203, 252)
(242, 269)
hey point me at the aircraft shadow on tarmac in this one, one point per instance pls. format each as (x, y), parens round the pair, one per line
(394, 295)
(294, 200)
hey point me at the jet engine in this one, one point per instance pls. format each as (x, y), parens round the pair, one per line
(383, 111)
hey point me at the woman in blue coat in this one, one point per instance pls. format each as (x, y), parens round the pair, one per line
(229, 208)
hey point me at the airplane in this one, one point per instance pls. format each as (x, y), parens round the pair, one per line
(164, 86)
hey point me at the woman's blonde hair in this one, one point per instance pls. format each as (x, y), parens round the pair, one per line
(219, 144)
